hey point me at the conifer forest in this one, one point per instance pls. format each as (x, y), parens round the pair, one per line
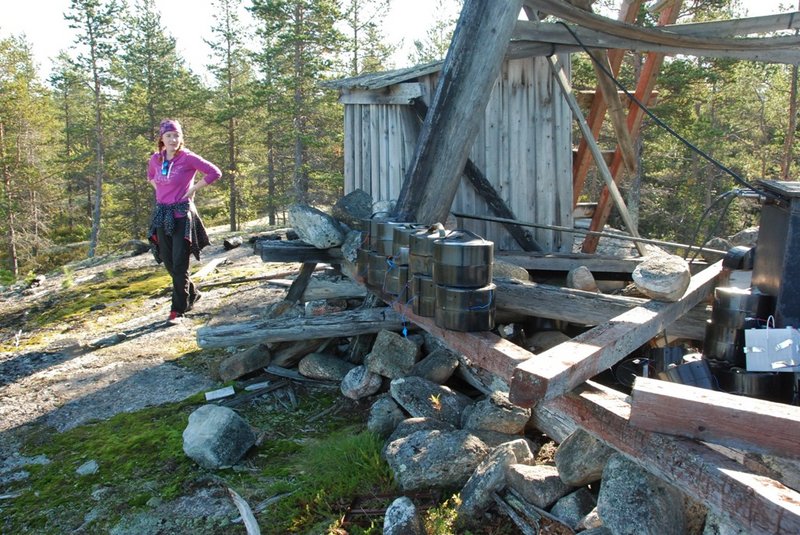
(75, 138)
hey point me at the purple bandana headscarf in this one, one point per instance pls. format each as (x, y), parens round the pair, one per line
(169, 125)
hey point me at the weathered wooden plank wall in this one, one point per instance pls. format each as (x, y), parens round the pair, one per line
(524, 148)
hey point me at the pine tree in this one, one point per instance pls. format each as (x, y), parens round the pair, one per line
(301, 42)
(94, 20)
(366, 46)
(234, 96)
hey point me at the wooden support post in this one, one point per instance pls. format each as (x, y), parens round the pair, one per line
(753, 503)
(470, 69)
(299, 285)
(563, 82)
(734, 421)
(564, 367)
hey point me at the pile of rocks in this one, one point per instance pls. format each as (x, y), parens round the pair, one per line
(473, 441)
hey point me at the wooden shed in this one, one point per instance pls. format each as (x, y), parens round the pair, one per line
(523, 148)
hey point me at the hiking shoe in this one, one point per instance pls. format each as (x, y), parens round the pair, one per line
(194, 298)
(174, 318)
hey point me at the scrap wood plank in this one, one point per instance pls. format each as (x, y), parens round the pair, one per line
(337, 324)
(756, 503)
(295, 251)
(562, 368)
(718, 417)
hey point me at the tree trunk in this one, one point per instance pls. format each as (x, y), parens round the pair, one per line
(13, 262)
(788, 153)
(271, 178)
(300, 175)
(100, 150)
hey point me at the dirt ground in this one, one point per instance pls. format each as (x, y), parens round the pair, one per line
(62, 378)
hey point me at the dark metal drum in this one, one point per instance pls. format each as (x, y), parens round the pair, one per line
(724, 343)
(376, 271)
(420, 249)
(397, 282)
(423, 296)
(401, 236)
(465, 309)
(463, 259)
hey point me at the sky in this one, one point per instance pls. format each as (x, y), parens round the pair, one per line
(43, 24)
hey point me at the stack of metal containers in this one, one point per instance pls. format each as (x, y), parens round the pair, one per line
(733, 311)
(462, 274)
(420, 265)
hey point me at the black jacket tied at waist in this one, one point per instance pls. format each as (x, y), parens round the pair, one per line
(164, 217)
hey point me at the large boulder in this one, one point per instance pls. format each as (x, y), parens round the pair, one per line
(315, 227)
(488, 477)
(632, 501)
(384, 416)
(402, 519)
(437, 367)
(217, 437)
(662, 277)
(353, 207)
(581, 458)
(422, 398)
(324, 367)
(539, 485)
(392, 355)
(428, 459)
(360, 383)
(496, 413)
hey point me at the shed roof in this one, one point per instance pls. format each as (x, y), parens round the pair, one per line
(379, 80)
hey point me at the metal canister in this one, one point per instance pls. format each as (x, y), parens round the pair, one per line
(465, 309)
(732, 306)
(463, 259)
(420, 249)
(401, 236)
(397, 282)
(385, 236)
(376, 270)
(771, 386)
(423, 295)
(724, 343)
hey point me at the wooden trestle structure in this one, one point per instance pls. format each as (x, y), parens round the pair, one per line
(557, 383)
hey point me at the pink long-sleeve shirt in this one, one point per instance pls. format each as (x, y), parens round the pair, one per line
(172, 187)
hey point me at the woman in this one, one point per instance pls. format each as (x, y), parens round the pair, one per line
(176, 230)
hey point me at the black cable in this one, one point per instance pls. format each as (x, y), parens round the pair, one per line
(658, 121)
(731, 195)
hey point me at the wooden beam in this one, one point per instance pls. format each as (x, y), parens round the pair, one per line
(754, 503)
(300, 283)
(526, 49)
(735, 421)
(295, 251)
(399, 94)
(470, 69)
(569, 261)
(656, 35)
(585, 308)
(564, 367)
(348, 323)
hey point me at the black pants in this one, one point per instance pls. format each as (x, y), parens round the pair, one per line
(174, 252)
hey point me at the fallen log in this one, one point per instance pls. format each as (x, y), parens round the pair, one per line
(734, 421)
(348, 323)
(754, 503)
(564, 367)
